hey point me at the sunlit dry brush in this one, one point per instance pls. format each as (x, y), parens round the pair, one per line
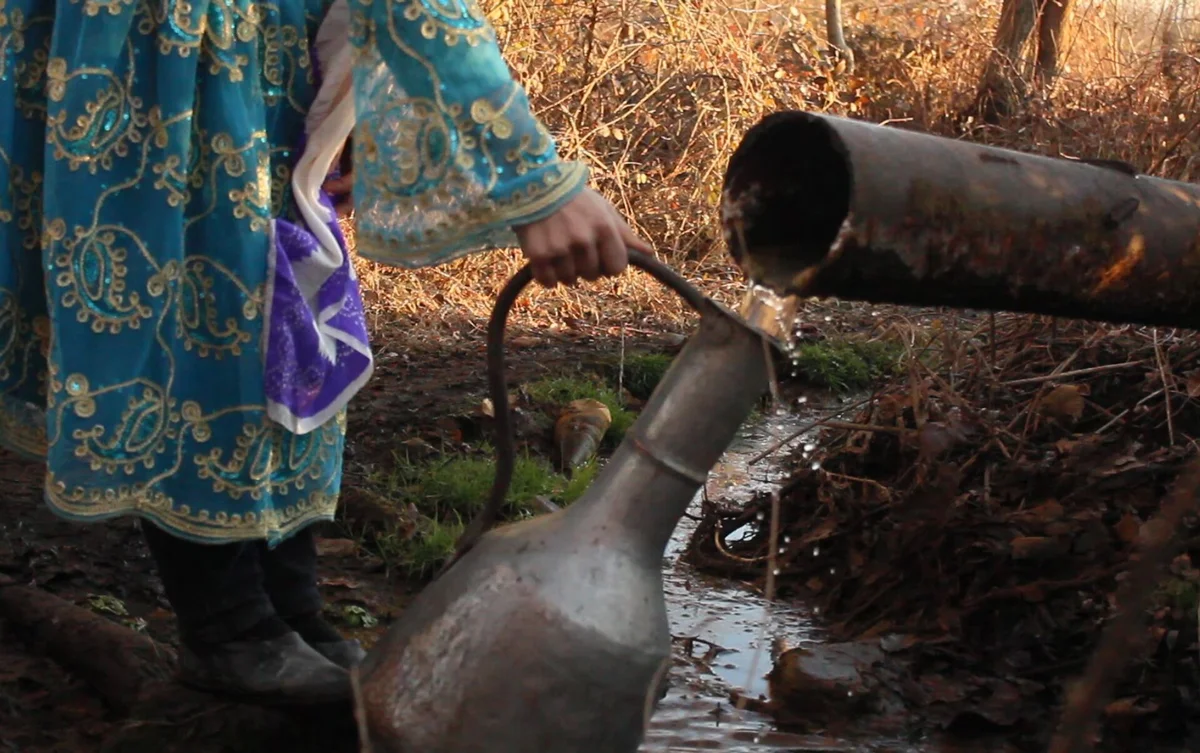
(655, 95)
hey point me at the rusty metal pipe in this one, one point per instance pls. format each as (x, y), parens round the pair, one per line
(825, 206)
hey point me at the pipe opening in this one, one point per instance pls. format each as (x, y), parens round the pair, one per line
(788, 186)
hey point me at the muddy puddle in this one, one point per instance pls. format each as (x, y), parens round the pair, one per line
(696, 714)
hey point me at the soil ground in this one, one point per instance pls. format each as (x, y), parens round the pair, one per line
(416, 393)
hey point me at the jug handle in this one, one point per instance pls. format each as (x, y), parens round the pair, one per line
(498, 387)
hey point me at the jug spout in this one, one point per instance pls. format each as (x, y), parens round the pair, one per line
(685, 427)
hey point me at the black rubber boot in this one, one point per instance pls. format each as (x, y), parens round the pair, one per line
(232, 641)
(346, 653)
(290, 578)
(276, 671)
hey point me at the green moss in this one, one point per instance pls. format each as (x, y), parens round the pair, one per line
(421, 554)
(461, 485)
(643, 372)
(448, 492)
(847, 365)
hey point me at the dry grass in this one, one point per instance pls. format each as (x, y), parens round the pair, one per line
(655, 94)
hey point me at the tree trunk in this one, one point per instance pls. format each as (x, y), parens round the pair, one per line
(836, 33)
(1171, 42)
(1049, 38)
(1001, 88)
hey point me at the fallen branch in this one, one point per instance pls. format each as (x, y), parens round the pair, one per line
(115, 661)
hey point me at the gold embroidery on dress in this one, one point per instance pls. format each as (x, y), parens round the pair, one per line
(114, 7)
(455, 20)
(121, 467)
(435, 146)
(111, 122)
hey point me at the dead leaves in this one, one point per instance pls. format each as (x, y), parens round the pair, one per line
(998, 511)
(1128, 528)
(1064, 403)
(1036, 548)
(1193, 383)
(935, 438)
(1039, 516)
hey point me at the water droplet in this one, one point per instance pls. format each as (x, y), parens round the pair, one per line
(776, 571)
(816, 551)
(829, 318)
(833, 571)
(809, 447)
(801, 400)
(849, 693)
(760, 516)
(757, 739)
(816, 466)
(816, 610)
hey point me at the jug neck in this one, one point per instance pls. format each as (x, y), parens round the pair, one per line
(690, 420)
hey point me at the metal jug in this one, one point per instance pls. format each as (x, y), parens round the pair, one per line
(551, 634)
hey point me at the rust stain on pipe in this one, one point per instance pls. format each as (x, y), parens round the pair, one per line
(825, 206)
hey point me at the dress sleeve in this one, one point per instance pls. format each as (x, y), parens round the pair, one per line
(448, 156)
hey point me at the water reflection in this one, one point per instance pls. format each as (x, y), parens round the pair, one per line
(697, 714)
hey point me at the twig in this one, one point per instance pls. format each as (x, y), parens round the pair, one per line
(1127, 411)
(1076, 372)
(992, 341)
(860, 480)
(1046, 586)
(773, 552)
(621, 368)
(1077, 731)
(850, 426)
(1166, 383)
(805, 429)
(772, 567)
(1170, 150)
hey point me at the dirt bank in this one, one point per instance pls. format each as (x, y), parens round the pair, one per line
(965, 532)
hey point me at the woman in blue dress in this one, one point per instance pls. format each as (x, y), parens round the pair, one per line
(180, 324)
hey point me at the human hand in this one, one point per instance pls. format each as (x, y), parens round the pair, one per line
(340, 188)
(585, 238)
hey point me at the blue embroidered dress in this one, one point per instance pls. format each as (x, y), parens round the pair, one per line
(180, 325)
